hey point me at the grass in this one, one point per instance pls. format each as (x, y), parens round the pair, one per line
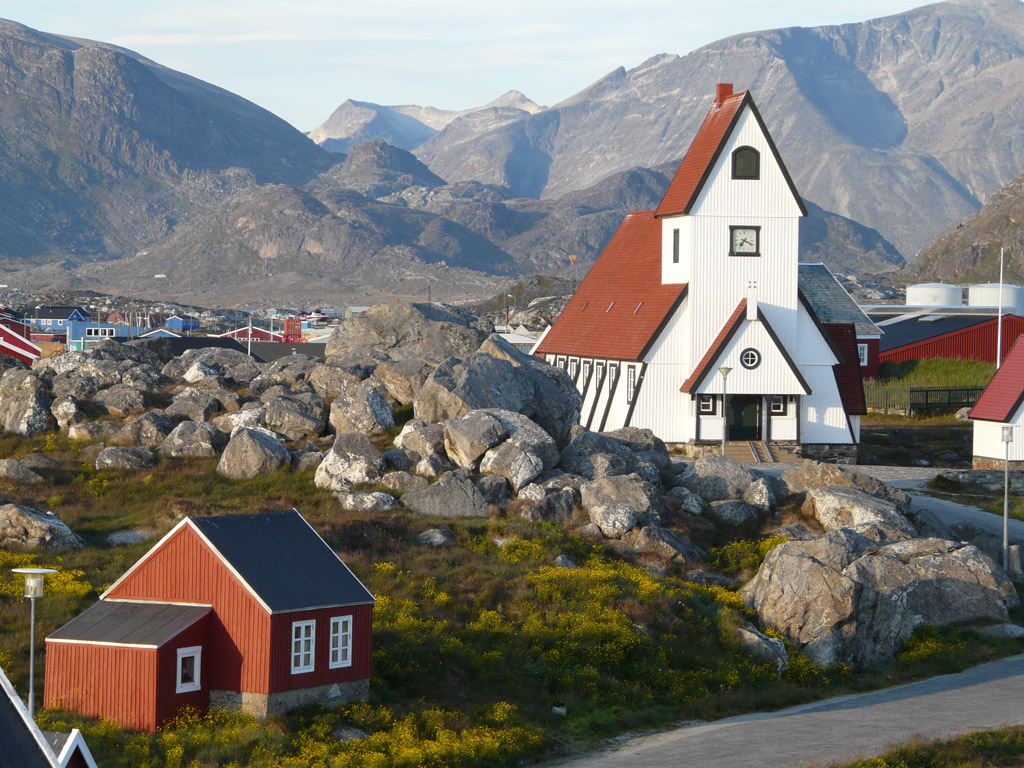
(891, 389)
(908, 442)
(473, 642)
(1002, 748)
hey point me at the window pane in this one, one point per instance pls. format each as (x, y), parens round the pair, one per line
(188, 670)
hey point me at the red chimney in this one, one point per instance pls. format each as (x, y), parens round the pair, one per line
(722, 92)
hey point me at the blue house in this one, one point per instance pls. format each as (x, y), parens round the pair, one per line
(82, 334)
(56, 318)
(186, 323)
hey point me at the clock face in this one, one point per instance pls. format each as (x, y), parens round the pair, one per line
(744, 240)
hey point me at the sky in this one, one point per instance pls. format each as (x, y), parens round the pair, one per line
(302, 58)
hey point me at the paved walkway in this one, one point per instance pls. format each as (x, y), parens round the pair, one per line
(836, 730)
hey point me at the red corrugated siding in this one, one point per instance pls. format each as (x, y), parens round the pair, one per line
(977, 342)
(167, 701)
(184, 569)
(281, 677)
(125, 691)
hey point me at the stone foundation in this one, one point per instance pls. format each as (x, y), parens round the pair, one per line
(833, 453)
(264, 704)
(984, 462)
(694, 450)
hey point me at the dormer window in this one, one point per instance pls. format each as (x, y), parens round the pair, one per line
(746, 163)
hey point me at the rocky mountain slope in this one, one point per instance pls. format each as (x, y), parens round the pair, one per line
(904, 124)
(408, 126)
(970, 251)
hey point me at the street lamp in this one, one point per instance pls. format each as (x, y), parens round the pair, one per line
(1007, 439)
(131, 287)
(725, 371)
(33, 589)
(507, 297)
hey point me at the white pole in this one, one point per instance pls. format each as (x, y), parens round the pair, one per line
(32, 661)
(1007, 437)
(249, 349)
(999, 322)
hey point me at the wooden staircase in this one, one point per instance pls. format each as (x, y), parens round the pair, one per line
(759, 452)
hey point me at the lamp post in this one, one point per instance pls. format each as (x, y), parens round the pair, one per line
(507, 297)
(1007, 439)
(131, 287)
(33, 589)
(725, 371)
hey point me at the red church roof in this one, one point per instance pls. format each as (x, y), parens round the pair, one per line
(1004, 394)
(700, 157)
(728, 331)
(848, 376)
(707, 145)
(621, 306)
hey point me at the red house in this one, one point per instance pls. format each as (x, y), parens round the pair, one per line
(14, 344)
(248, 611)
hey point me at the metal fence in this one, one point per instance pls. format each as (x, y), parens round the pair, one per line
(895, 398)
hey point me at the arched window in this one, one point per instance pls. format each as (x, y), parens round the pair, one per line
(746, 163)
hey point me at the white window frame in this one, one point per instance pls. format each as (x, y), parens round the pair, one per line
(862, 354)
(707, 405)
(777, 405)
(192, 652)
(303, 631)
(586, 370)
(574, 364)
(613, 374)
(630, 383)
(341, 652)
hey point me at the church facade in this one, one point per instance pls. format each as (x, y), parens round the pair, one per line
(695, 322)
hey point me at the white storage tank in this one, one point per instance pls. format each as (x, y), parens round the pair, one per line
(934, 295)
(987, 295)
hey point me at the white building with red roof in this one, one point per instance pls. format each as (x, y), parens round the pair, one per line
(1001, 406)
(710, 280)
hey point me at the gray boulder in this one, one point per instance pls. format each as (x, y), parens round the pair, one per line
(555, 507)
(402, 379)
(435, 537)
(400, 481)
(122, 400)
(296, 418)
(843, 598)
(764, 647)
(251, 452)
(630, 490)
(495, 489)
(733, 512)
(331, 381)
(27, 412)
(28, 528)
(361, 408)
(665, 545)
(419, 439)
(121, 457)
(468, 438)
(687, 501)
(717, 478)
(352, 459)
(74, 384)
(194, 405)
(91, 431)
(432, 465)
(413, 331)
(526, 454)
(398, 460)
(356, 501)
(814, 474)
(838, 507)
(614, 520)
(499, 376)
(245, 417)
(14, 471)
(759, 494)
(149, 430)
(622, 452)
(453, 495)
(192, 438)
(65, 410)
(305, 460)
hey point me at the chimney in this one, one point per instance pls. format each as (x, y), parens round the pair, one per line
(722, 92)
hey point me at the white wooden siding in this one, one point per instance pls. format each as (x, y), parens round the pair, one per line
(773, 376)
(822, 418)
(988, 439)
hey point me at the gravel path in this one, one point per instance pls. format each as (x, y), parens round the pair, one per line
(836, 730)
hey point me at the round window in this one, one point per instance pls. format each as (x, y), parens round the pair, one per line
(750, 358)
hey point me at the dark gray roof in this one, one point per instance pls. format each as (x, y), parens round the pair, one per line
(284, 560)
(19, 747)
(113, 621)
(56, 312)
(830, 301)
(56, 740)
(920, 328)
(269, 351)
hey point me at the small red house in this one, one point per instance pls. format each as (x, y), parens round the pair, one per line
(247, 611)
(14, 344)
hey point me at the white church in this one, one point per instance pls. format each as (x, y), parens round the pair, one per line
(703, 301)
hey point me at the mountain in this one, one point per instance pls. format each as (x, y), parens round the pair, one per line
(408, 126)
(904, 123)
(103, 151)
(970, 251)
